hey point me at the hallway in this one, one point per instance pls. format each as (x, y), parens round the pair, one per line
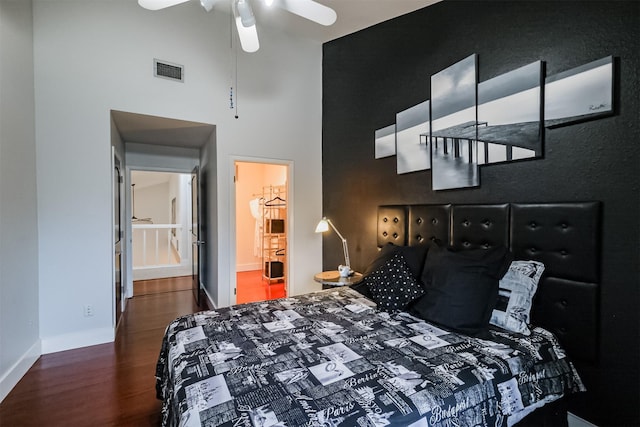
(109, 384)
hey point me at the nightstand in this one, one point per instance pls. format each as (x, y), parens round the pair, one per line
(332, 278)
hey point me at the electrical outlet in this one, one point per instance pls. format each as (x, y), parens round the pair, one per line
(88, 310)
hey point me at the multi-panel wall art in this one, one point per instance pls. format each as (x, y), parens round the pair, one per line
(466, 124)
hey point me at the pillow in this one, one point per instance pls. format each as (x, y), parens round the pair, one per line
(363, 288)
(461, 287)
(515, 296)
(392, 286)
(414, 256)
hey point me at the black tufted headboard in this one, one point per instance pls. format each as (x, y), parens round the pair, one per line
(564, 236)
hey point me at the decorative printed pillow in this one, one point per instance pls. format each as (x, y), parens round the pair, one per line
(515, 296)
(392, 285)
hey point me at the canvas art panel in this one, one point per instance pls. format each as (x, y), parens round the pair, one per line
(579, 94)
(385, 142)
(412, 142)
(509, 123)
(453, 126)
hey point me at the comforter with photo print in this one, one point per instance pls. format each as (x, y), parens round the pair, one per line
(331, 359)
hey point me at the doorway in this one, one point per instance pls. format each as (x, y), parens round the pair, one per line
(154, 143)
(262, 222)
(160, 224)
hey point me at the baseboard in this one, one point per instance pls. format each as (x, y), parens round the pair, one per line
(248, 267)
(576, 421)
(77, 340)
(10, 378)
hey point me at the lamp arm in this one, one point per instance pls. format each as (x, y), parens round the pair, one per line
(346, 253)
(344, 244)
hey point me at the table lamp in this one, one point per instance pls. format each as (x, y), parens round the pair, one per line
(323, 225)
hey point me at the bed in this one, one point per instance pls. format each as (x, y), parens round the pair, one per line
(386, 351)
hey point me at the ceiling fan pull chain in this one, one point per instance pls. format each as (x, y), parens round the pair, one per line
(236, 79)
(232, 65)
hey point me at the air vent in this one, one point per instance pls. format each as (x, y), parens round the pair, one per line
(167, 70)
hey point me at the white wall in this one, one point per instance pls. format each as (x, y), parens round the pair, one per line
(19, 342)
(94, 56)
(153, 202)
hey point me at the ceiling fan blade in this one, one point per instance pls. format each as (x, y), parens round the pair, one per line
(311, 10)
(248, 35)
(159, 4)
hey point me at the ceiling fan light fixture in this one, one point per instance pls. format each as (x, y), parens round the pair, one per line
(311, 10)
(245, 20)
(248, 35)
(208, 4)
(246, 14)
(159, 4)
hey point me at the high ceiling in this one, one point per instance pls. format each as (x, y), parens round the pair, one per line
(353, 15)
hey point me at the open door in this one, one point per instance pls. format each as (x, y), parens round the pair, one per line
(195, 235)
(261, 229)
(117, 237)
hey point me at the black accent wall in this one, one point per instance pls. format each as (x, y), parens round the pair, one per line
(371, 75)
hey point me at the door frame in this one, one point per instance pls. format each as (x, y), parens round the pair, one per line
(123, 262)
(289, 273)
(196, 238)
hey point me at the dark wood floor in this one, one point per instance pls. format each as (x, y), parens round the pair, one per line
(104, 385)
(156, 286)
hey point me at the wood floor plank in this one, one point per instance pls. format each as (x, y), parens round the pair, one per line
(154, 286)
(103, 385)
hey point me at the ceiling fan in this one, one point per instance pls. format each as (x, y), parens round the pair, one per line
(246, 21)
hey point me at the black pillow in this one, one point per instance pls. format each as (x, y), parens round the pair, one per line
(414, 256)
(461, 287)
(392, 286)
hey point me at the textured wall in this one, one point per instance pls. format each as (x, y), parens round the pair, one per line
(371, 75)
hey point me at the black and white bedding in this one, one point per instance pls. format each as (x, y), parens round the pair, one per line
(332, 358)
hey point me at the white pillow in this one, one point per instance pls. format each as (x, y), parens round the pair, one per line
(515, 296)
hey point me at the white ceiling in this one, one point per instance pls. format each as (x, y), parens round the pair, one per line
(143, 179)
(353, 15)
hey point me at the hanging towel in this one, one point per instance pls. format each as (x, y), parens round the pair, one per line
(254, 205)
(256, 212)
